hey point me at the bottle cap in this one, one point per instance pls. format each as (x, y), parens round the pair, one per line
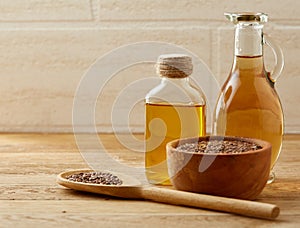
(174, 65)
(247, 16)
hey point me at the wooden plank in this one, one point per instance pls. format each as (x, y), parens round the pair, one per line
(139, 220)
(29, 195)
(148, 216)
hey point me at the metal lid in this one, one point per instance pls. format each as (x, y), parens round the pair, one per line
(247, 16)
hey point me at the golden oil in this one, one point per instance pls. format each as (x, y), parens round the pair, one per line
(166, 122)
(251, 105)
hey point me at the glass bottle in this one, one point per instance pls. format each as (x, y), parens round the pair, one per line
(248, 104)
(174, 109)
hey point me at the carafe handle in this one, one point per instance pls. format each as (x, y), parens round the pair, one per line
(279, 59)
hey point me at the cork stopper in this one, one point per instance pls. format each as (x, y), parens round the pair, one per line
(174, 65)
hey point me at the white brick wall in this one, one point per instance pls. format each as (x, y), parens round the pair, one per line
(47, 45)
(46, 10)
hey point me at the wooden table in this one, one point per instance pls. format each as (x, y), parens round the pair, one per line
(30, 197)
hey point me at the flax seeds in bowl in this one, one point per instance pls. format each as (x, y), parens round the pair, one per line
(224, 166)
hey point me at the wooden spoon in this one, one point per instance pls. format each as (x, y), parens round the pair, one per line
(132, 189)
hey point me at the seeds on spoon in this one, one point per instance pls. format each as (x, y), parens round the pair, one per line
(103, 178)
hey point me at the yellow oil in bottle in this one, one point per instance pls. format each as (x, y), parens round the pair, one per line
(165, 122)
(251, 105)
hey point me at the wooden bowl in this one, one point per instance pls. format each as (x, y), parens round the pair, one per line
(237, 175)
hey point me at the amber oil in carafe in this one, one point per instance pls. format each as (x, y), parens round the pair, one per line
(174, 109)
(252, 108)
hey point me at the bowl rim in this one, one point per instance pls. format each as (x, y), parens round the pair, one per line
(266, 146)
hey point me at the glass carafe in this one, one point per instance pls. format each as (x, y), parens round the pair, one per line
(248, 104)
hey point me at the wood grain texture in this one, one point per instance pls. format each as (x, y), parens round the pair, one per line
(29, 196)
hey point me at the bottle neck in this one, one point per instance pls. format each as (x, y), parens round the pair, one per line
(248, 39)
(177, 81)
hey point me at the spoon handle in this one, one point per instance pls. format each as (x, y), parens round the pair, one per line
(241, 207)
